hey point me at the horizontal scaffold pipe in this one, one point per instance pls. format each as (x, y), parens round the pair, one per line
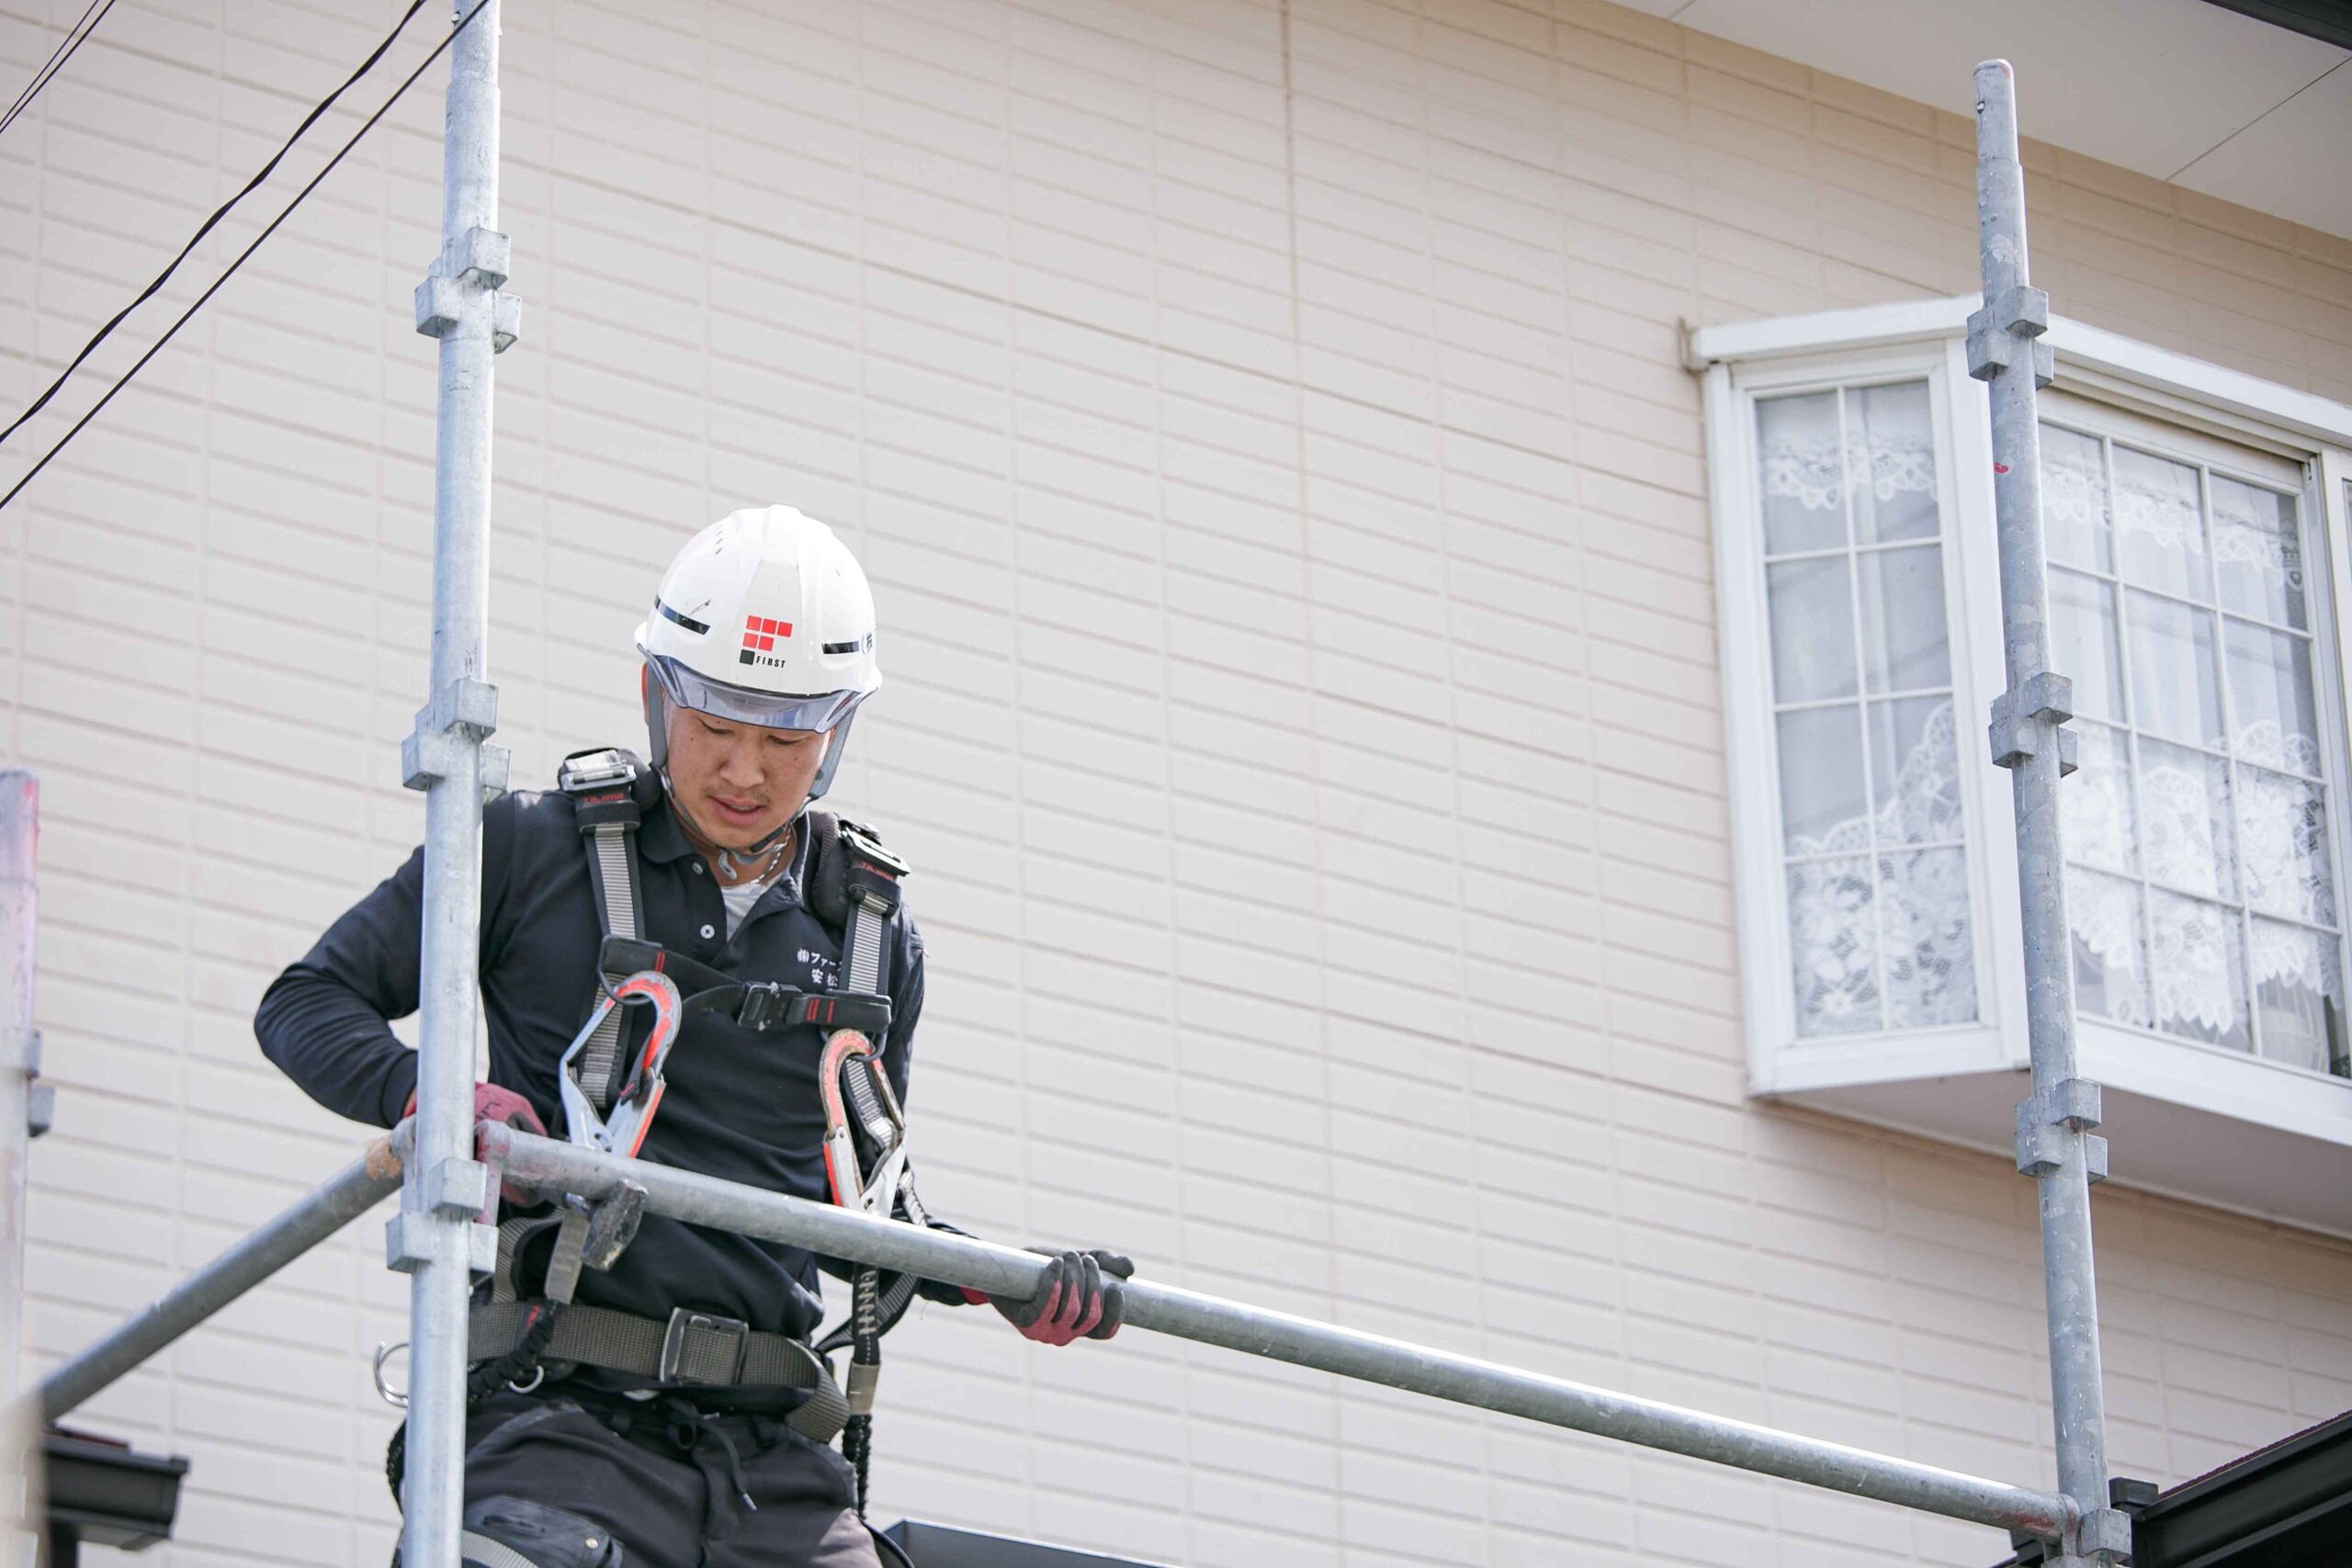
(349, 1193)
(553, 1166)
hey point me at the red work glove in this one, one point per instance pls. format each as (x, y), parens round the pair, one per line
(492, 1103)
(1078, 1297)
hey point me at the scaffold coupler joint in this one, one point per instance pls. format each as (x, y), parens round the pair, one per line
(465, 710)
(2000, 330)
(2020, 718)
(474, 262)
(459, 1187)
(2046, 1123)
(2103, 1536)
(408, 1244)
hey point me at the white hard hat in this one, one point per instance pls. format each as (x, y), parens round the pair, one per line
(763, 618)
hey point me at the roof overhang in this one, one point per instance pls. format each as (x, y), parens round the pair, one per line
(2247, 100)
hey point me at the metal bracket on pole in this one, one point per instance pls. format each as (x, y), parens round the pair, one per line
(475, 260)
(1997, 331)
(2046, 1123)
(457, 1187)
(21, 1049)
(2107, 1530)
(2103, 1534)
(408, 1244)
(471, 707)
(2021, 718)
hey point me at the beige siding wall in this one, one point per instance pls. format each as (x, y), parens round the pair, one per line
(1266, 430)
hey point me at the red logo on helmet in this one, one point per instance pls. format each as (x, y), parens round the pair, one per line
(760, 634)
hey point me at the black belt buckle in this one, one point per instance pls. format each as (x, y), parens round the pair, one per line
(765, 1004)
(685, 1320)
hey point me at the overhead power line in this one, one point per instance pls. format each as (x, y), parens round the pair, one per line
(219, 213)
(75, 38)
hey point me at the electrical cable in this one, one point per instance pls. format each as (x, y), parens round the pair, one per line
(219, 213)
(170, 332)
(73, 40)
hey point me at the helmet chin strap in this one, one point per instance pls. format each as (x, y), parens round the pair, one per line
(697, 830)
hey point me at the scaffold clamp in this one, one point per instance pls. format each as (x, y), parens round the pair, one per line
(408, 1244)
(475, 261)
(1997, 331)
(2020, 717)
(466, 709)
(2046, 1123)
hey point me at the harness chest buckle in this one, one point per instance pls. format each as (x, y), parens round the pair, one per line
(695, 1341)
(765, 1002)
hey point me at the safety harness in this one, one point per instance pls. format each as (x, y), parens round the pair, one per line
(865, 1150)
(514, 1337)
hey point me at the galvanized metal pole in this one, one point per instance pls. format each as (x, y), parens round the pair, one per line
(19, 1061)
(438, 1236)
(317, 1215)
(2054, 1145)
(530, 1161)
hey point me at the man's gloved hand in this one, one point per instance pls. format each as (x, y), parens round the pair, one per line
(1079, 1296)
(492, 1103)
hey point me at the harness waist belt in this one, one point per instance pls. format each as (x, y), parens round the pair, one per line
(755, 1004)
(693, 1349)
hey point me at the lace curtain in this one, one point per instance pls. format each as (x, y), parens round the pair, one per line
(1901, 912)
(2204, 610)
(1806, 469)
(1879, 915)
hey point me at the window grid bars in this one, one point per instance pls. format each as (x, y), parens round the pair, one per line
(2218, 756)
(1908, 694)
(2230, 766)
(1826, 857)
(2239, 905)
(1854, 547)
(2162, 886)
(1863, 722)
(1861, 701)
(2147, 954)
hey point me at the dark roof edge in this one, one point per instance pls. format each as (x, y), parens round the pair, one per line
(2330, 21)
(2240, 1503)
(2334, 1429)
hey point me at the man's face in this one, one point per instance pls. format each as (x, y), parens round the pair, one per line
(739, 782)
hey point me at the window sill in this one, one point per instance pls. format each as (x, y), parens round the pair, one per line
(2187, 1121)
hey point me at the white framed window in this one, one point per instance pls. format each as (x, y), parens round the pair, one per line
(2202, 829)
(2195, 525)
(1882, 936)
(1848, 689)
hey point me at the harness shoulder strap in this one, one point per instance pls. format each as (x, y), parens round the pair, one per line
(854, 887)
(607, 788)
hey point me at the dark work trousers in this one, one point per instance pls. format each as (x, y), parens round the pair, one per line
(546, 1474)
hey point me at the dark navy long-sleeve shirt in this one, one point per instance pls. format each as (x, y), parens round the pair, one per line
(740, 1105)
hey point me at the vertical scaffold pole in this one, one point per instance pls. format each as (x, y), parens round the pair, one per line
(20, 1062)
(439, 1237)
(2054, 1145)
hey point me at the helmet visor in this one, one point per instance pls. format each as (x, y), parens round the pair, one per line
(688, 688)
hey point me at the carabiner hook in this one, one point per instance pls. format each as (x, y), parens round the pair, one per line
(395, 1397)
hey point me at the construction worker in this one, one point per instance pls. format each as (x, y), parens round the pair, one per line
(590, 1441)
